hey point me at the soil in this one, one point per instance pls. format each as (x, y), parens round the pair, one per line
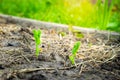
(97, 59)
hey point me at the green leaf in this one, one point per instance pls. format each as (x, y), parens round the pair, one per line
(75, 48)
(37, 36)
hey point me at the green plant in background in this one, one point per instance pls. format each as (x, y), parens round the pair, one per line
(74, 12)
(114, 24)
(74, 52)
(104, 11)
(37, 36)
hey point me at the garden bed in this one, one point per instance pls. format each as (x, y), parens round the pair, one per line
(97, 59)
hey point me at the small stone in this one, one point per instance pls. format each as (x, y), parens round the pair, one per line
(13, 43)
(38, 77)
(65, 50)
(1, 66)
(68, 73)
(43, 46)
(44, 57)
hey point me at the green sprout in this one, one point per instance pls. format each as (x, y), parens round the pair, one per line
(78, 34)
(62, 33)
(74, 51)
(37, 36)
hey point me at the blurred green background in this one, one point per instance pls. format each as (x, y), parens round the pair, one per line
(71, 12)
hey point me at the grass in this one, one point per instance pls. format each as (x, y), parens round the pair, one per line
(71, 12)
(104, 12)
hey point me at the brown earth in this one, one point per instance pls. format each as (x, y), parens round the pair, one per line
(97, 59)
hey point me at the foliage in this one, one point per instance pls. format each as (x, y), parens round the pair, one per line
(104, 10)
(76, 33)
(75, 48)
(37, 36)
(114, 24)
(71, 12)
(74, 51)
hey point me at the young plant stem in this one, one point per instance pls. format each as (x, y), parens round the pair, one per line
(37, 36)
(37, 49)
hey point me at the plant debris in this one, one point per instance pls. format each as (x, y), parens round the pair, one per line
(97, 59)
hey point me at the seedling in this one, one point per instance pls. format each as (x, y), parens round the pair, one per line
(74, 52)
(37, 36)
(76, 33)
(62, 34)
